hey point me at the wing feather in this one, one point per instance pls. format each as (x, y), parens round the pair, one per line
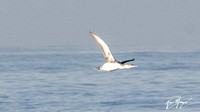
(104, 47)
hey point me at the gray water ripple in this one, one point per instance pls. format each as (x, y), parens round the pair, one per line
(33, 81)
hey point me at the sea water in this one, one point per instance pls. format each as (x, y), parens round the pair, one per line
(63, 80)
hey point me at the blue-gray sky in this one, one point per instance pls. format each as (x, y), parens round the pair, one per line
(137, 23)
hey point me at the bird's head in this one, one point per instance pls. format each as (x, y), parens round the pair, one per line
(97, 68)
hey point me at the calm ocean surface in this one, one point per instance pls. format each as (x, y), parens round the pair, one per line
(63, 80)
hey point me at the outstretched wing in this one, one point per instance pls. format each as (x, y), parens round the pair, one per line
(126, 61)
(104, 47)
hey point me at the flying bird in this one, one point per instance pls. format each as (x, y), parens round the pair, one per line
(111, 63)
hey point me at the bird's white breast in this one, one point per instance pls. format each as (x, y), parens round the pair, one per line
(110, 66)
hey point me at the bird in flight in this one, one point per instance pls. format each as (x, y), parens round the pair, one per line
(111, 63)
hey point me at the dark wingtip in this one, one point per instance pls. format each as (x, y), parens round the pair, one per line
(90, 32)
